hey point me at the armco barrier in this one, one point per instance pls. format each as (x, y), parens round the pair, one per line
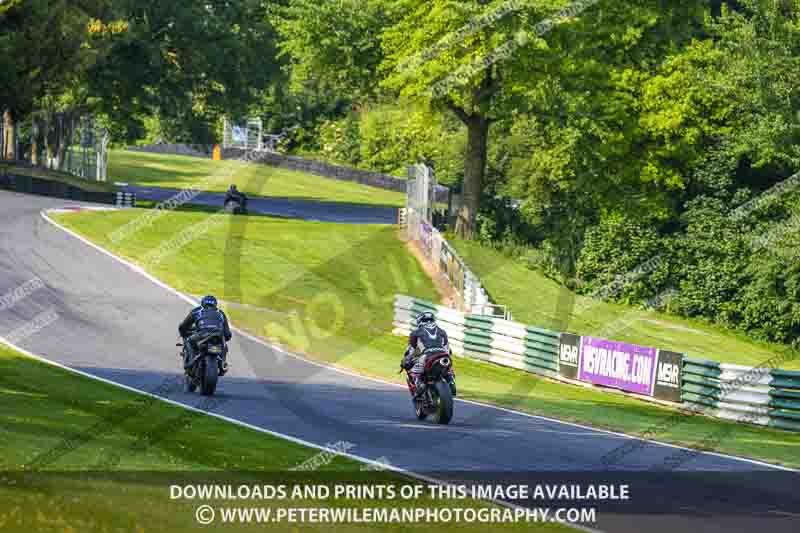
(763, 396)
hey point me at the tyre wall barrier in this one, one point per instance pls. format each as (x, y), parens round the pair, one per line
(57, 189)
(485, 338)
(125, 199)
(758, 395)
(755, 395)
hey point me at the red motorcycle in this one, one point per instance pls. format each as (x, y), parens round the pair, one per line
(439, 387)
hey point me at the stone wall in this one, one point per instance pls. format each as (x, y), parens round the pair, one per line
(194, 150)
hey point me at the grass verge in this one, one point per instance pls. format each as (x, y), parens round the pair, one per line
(516, 286)
(326, 290)
(122, 452)
(175, 171)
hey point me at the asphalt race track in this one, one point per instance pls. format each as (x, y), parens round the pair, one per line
(284, 207)
(117, 324)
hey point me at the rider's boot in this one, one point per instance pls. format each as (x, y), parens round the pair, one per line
(187, 357)
(419, 387)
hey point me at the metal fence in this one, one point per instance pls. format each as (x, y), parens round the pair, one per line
(417, 219)
(66, 142)
(249, 135)
(421, 192)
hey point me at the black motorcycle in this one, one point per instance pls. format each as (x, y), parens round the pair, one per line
(236, 206)
(208, 363)
(439, 387)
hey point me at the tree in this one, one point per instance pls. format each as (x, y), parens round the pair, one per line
(468, 58)
(187, 62)
(333, 46)
(42, 49)
(579, 147)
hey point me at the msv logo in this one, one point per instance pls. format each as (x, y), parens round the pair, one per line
(668, 374)
(569, 355)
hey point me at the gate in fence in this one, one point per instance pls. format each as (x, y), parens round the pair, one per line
(249, 135)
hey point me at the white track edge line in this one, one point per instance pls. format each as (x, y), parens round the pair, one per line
(259, 429)
(290, 438)
(253, 338)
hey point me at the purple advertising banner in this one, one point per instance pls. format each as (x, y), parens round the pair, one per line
(618, 364)
(426, 236)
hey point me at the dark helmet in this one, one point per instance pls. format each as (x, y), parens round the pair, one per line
(426, 320)
(208, 301)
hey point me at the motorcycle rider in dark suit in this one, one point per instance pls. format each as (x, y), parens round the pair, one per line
(198, 323)
(427, 335)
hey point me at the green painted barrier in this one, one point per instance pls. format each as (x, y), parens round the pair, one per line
(791, 405)
(783, 393)
(780, 423)
(711, 392)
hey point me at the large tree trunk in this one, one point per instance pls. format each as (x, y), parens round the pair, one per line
(474, 168)
(9, 144)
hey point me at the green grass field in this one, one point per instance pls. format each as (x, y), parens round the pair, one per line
(536, 300)
(86, 185)
(173, 171)
(326, 290)
(104, 458)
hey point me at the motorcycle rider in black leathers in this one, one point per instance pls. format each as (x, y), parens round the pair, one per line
(426, 336)
(238, 197)
(198, 323)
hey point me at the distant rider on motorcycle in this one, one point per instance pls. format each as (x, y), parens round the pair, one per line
(426, 336)
(200, 321)
(234, 195)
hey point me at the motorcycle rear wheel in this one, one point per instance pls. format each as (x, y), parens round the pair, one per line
(444, 403)
(210, 375)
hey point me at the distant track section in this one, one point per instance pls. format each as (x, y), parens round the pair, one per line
(283, 207)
